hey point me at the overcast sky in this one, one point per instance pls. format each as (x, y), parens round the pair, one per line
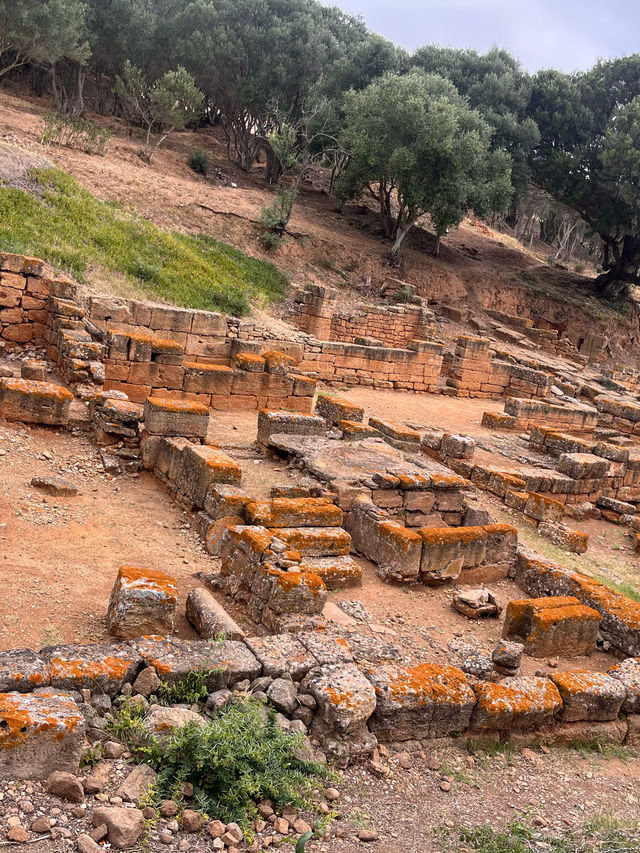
(565, 34)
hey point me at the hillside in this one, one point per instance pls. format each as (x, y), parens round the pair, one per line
(477, 267)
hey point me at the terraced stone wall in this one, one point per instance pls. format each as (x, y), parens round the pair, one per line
(25, 288)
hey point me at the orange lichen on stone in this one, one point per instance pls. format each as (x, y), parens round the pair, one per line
(33, 388)
(250, 361)
(208, 368)
(315, 541)
(295, 512)
(169, 405)
(398, 535)
(517, 701)
(165, 344)
(449, 535)
(429, 683)
(132, 577)
(447, 481)
(81, 670)
(25, 715)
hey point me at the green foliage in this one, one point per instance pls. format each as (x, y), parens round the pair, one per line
(402, 296)
(92, 755)
(75, 133)
(601, 748)
(233, 761)
(41, 32)
(128, 726)
(164, 106)
(414, 141)
(587, 157)
(191, 690)
(199, 162)
(76, 232)
(275, 217)
(580, 266)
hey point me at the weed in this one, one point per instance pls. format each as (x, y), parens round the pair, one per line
(199, 162)
(92, 755)
(602, 749)
(76, 232)
(233, 761)
(52, 636)
(190, 690)
(491, 748)
(75, 133)
(450, 771)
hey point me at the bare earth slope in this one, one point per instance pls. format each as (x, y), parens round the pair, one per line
(477, 267)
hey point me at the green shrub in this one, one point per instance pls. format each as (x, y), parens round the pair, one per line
(199, 161)
(75, 133)
(190, 690)
(580, 267)
(275, 217)
(71, 229)
(233, 761)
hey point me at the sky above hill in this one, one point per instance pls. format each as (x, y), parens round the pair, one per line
(566, 34)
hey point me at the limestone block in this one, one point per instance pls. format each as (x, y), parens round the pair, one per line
(335, 409)
(550, 626)
(209, 617)
(143, 601)
(290, 423)
(628, 674)
(99, 667)
(34, 402)
(282, 653)
(176, 418)
(39, 734)
(395, 549)
(515, 703)
(294, 512)
(589, 695)
(424, 701)
(346, 698)
(22, 670)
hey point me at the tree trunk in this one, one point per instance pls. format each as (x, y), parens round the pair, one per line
(67, 80)
(621, 262)
(395, 255)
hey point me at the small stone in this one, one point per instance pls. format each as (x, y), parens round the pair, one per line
(368, 835)
(191, 820)
(148, 812)
(66, 786)
(112, 749)
(41, 824)
(147, 682)
(433, 763)
(281, 825)
(404, 760)
(166, 837)
(332, 794)
(217, 829)
(283, 695)
(86, 844)
(168, 808)
(234, 832)
(18, 834)
(445, 786)
(301, 826)
(99, 833)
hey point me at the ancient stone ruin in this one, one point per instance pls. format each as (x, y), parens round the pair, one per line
(374, 501)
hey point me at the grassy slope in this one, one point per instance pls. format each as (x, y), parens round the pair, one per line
(71, 229)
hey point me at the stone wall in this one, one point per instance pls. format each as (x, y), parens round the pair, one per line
(25, 288)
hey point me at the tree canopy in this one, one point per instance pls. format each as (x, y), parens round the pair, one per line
(416, 147)
(484, 132)
(588, 156)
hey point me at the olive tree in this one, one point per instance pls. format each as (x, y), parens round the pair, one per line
(416, 147)
(164, 106)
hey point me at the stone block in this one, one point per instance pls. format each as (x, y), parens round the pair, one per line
(336, 572)
(589, 695)
(289, 591)
(316, 541)
(176, 418)
(200, 467)
(628, 674)
(294, 512)
(425, 701)
(207, 378)
(143, 601)
(99, 667)
(558, 625)
(346, 698)
(335, 409)
(223, 500)
(280, 654)
(39, 734)
(209, 617)
(515, 703)
(290, 423)
(583, 466)
(34, 402)
(22, 670)
(395, 549)
(447, 550)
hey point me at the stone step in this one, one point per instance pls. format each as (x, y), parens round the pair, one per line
(294, 512)
(341, 571)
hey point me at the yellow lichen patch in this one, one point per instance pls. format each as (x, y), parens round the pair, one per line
(208, 368)
(24, 715)
(500, 529)
(537, 695)
(81, 669)
(447, 481)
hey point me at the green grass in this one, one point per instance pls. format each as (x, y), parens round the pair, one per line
(74, 231)
(602, 834)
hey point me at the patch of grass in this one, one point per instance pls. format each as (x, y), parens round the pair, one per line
(191, 690)
(490, 748)
(627, 589)
(602, 749)
(199, 161)
(74, 231)
(233, 761)
(601, 834)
